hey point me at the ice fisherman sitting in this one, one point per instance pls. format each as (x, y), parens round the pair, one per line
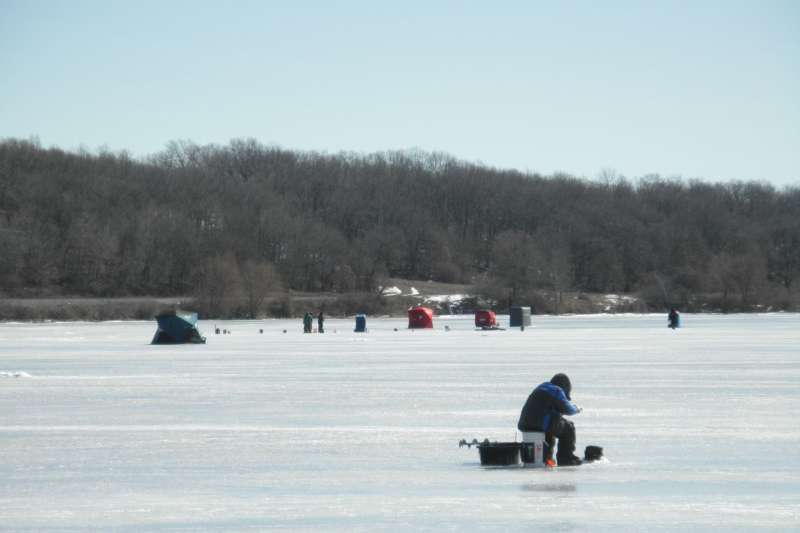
(543, 412)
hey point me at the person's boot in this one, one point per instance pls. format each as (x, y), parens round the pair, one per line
(548, 455)
(569, 460)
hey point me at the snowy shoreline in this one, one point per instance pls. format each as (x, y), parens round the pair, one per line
(465, 316)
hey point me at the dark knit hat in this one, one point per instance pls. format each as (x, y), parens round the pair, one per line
(562, 381)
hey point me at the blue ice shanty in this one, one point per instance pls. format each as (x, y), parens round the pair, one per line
(177, 327)
(361, 323)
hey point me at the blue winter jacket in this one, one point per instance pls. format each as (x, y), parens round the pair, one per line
(545, 401)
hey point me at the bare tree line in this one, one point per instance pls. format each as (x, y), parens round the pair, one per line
(245, 219)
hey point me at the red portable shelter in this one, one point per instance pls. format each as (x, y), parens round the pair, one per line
(485, 319)
(420, 317)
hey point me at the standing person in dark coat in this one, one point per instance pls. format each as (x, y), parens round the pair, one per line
(308, 319)
(543, 412)
(673, 319)
(320, 320)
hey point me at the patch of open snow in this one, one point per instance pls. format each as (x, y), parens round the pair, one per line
(613, 300)
(616, 298)
(413, 292)
(391, 291)
(442, 298)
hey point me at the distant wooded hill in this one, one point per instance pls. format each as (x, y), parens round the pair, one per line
(242, 219)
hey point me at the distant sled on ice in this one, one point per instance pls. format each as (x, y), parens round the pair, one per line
(177, 327)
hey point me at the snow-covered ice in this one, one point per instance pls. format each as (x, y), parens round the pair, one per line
(347, 431)
(14, 374)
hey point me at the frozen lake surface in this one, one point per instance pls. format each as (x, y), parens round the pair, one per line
(101, 431)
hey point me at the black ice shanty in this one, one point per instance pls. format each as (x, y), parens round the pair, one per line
(177, 327)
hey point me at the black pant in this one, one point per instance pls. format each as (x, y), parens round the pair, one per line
(564, 430)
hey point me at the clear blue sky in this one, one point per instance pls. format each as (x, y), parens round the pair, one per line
(698, 89)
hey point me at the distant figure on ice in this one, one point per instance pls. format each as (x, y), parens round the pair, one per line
(320, 321)
(673, 319)
(308, 321)
(543, 412)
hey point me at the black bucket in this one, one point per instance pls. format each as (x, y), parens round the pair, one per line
(499, 453)
(593, 453)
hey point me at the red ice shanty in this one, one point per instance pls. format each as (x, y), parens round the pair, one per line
(420, 318)
(485, 319)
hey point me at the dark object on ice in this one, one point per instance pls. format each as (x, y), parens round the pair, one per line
(673, 319)
(320, 323)
(495, 453)
(519, 317)
(420, 318)
(485, 319)
(361, 323)
(177, 327)
(499, 453)
(592, 453)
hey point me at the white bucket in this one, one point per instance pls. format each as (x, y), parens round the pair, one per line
(533, 449)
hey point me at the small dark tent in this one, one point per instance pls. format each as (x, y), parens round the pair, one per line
(420, 318)
(485, 319)
(177, 327)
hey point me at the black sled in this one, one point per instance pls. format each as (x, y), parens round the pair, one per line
(520, 453)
